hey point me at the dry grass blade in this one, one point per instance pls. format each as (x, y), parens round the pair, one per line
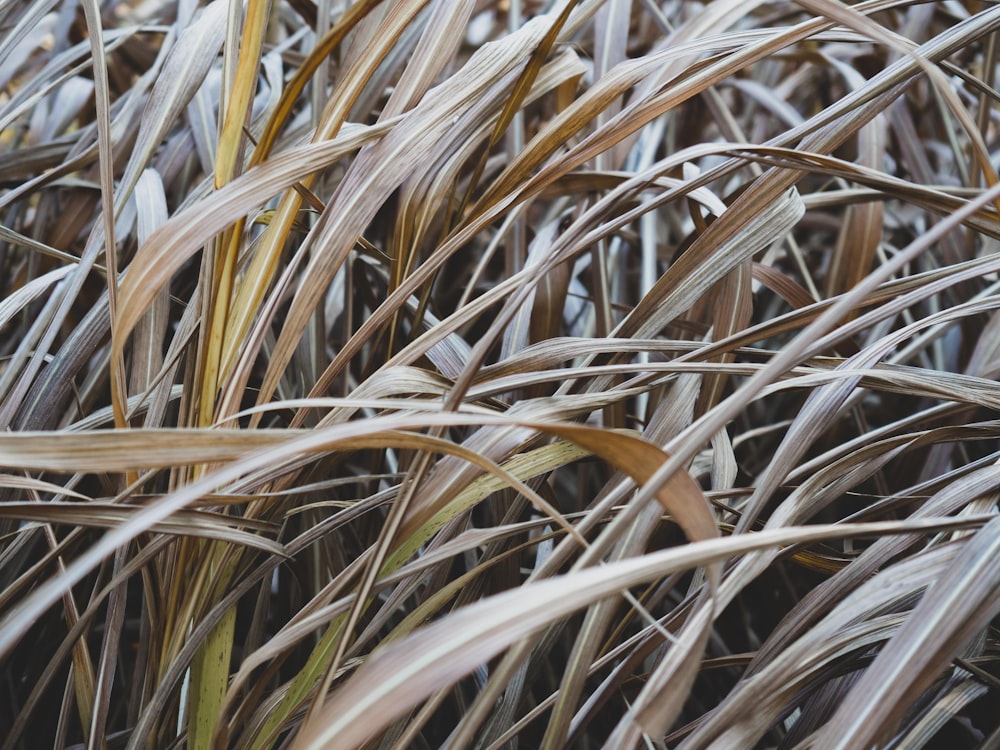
(418, 373)
(405, 673)
(957, 606)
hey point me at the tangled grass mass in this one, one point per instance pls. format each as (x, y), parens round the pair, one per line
(499, 374)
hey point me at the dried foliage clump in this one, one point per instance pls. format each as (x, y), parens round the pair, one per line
(474, 374)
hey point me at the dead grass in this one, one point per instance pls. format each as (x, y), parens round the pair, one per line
(440, 373)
